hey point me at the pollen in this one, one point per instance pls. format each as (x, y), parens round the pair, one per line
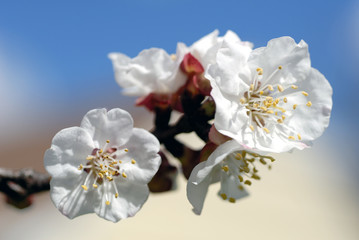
(107, 203)
(94, 185)
(280, 67)
(280, 88)
(84, 187)
(225, 168)
(240, 187)
(261, 92)
(309, 104)
(232, 200)
(124, 175)
(108, 141)
(295, 106)
(116, 195)
(285, 100)
(270, 87)
(263, 161)
(238, 156)
(133, 161)
(299, 137)
(248, 182)
(291, 137)
(81, 167)
(240, 178)
(242, 100)
(89, 158)
(305, 93)
(294, 87)
(126, 150)
(279, 120)
(224, 196)
(266, 130)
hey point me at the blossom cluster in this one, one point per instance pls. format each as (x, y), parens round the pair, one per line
(244, 103)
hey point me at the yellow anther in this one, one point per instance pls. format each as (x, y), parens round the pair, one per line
(291, 137)
(108, 141)
(277, 101)
(225, 168)
(251, 127)
(94, 185)
(109, 178)
(280, 67)
(285, 100)
(107, 203)
(240, 187)
(282, 109)
(101, 166)
(81, 167)
(255, 105)
(305, 93)
(294, 87)
(259, 69)
(240, 178)
(261, 92)
(238, 156)
(270, 112)
(262, 161)
(283, 117)
(232, 200)
(119, 161)
(173, 57)
(264, 108)
(224, 196)
(116, 195)
(133, 161)
(270, 87)
(84, 187)
(242, 100)
(280, 88)
(266, 130)
(246, 169)
(248, 182)
(279, 120)
(89, 158)
(124, 175)
(100, 151)
(126, 150)
(309, 103)
(256, 177)
(295, 106)
(100, 174)
(269, 98)
(276, 113)
(251, 87)
(269, 167)
(299, 137)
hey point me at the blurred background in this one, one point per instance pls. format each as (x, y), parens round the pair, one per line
(54, 68)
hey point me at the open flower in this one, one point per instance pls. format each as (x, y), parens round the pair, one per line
(103, 166)
(154, 75)
(232, 165)
(271, 100)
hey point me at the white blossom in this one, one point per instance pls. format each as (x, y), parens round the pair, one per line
(271, 99)
(230, 164)
(155, 71)
(103, 166)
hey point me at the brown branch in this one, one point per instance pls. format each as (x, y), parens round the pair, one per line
(19, 185)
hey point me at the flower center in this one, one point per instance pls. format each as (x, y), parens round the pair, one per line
(269, 105)
(102, 167)
(242, 165)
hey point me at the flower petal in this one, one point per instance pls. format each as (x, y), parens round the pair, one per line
(152, 71)
(69, 149)
(143, 148)
(196, 192)
(115, 125)
(131, 197)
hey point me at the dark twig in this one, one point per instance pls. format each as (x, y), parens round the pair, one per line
(19, 185)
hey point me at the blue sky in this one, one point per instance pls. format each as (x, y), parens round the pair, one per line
(53, 55)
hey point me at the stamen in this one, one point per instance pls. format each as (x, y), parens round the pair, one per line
(309, 104)
(291, 137)
(280, 67)
(305, 93)
(240, 178)
(299, 137)
(133, 161)
(294, 87)
(266, 130)
(225, 168)
(295, 106)
(232, 200)
(84, 187)
(224, 196)
(124, 175)
(107, 202)
(248, 182)
(280, 88)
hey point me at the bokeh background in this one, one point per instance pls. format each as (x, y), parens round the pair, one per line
(54, 68)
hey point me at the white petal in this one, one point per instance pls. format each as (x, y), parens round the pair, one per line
(69, 149)
(285, 52)
(229, 186)
(215, 158)
(152, 71)
(69, 197)
(115, 125)
(196, 192)
(200, 48)
(311, 122)
(143, 147)
(131, 197)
